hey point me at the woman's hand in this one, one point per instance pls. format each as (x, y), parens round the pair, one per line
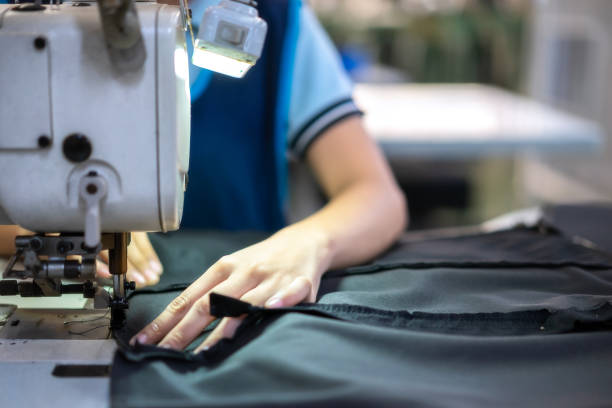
(144, 266)
(366, 213)
(281, 271)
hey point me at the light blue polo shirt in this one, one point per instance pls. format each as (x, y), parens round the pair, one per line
(244, 131)
(320, 93)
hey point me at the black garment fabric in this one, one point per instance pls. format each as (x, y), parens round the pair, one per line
(591, 223)
(516, 318)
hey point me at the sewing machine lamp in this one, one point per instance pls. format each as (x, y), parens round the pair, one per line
(231, 38)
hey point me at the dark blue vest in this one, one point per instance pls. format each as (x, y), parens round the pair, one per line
(237, 175)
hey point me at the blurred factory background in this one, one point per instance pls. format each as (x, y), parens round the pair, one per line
(483, 106)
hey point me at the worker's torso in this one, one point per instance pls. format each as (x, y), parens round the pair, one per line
(235, 174)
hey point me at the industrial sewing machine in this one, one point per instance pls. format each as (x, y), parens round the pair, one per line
(94, 131)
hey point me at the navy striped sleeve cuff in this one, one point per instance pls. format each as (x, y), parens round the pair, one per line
(325, 119)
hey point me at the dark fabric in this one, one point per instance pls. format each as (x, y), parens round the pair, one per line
(233, 132)
(389, 334)
(308, 361)
(188, 254)
(521, 247)
(592, 223)
(493, 324)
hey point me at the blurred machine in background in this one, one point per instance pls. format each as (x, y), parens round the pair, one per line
(570, 67)
(429, 41)
(557, 52)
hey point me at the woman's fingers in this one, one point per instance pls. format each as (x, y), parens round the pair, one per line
(299, 290)
(140, 265)
(178, 308)
(143, 258)
(198, 316)
(144, 267)
(238, 275)
(142, 242)
(227, 327)
(102, 270)
(103, 256)
(133, 274)
(137, 258)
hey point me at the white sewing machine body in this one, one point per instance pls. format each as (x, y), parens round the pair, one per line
(94, 140)
(66, 112)
(94, 144)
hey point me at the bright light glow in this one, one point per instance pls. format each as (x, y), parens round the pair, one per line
(181, 63)
(220, 63)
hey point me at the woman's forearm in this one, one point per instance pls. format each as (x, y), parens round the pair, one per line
(356, 225)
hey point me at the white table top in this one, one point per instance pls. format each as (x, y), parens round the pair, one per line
(469, 120)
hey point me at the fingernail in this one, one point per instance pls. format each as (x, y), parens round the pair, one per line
(152, 277)
(164, 346)
(274, 302)
(156, 266)
(138, 278)
(141, 339)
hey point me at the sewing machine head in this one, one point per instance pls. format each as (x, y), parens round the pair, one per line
(94, 138)
(94, 130)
